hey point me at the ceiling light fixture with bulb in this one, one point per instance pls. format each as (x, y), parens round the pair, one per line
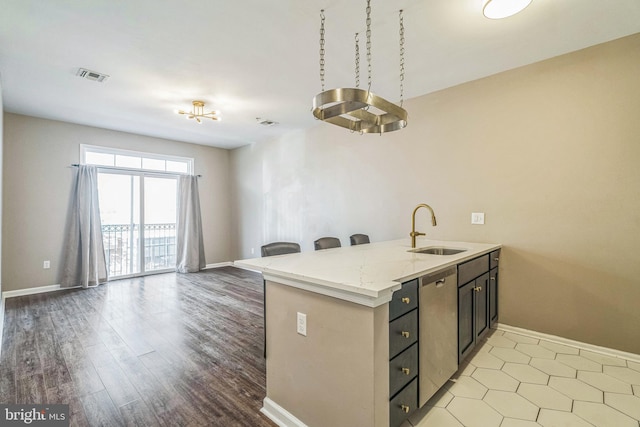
(498, 9)
(198, 113)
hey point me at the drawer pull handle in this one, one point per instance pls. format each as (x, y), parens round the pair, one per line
(405, 334)
(478, 289)
(405, 408)
(406, 371)
(496, 259)
(406, 300)
(493, 278)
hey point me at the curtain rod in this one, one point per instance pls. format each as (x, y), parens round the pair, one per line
(75, 165)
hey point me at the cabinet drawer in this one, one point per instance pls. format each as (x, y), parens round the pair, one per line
(402, 333)
(402, 369)
(404, 404)
(404, 300)
(472, 269)
(494, 258)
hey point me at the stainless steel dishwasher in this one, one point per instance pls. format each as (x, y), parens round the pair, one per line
(438, 331)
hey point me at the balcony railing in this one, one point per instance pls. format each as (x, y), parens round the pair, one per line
(122, 242)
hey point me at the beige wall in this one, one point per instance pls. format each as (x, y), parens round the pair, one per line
(37, 185)
(342, 363)
(549, 152)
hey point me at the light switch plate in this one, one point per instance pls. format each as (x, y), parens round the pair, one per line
(477, 218)
(302, 324)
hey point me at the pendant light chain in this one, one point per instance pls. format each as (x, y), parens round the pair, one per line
(369, 43)
(401, 59)
(322, 49)
(357, 61)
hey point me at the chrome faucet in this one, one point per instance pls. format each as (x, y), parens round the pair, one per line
(415, 233)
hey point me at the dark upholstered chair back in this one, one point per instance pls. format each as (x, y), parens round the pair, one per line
(359, 239)
(280, 248)
(326, 243)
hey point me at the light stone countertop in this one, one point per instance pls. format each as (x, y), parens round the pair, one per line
(365, 274)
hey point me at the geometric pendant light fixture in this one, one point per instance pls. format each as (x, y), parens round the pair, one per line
(498, 9)
(198, 113)
(360, 110)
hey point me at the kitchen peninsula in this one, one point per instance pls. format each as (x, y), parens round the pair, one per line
(328, 328)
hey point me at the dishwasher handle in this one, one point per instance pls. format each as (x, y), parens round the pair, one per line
(439, 277)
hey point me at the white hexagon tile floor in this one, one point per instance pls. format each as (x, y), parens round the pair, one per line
(514, 380)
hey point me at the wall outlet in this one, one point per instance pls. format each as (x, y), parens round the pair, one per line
(477, 218)
(46, 264)
(302, 324)
(252, 251)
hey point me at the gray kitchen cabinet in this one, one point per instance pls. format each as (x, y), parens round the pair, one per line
(403, 332)
(403, 369)
(494, 260)
(493, 296)
(481, 313)
(403, 353)
(404, 300)
(412, 342)
(477, 300)
(466, 308)
(403, 404)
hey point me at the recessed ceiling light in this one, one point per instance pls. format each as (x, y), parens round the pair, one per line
(498, 9)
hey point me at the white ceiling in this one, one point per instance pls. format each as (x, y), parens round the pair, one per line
(259, 58)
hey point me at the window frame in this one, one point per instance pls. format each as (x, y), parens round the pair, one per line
(86, 148)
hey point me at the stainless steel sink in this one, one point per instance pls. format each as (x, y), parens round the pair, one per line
(437, 250)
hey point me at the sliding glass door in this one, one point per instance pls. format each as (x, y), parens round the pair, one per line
(159, 237)
(138, 213)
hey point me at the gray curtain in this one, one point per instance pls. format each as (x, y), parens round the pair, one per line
(190, 245)
(84, 263)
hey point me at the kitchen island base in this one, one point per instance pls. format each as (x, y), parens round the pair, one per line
(342, 363)
(360, 335)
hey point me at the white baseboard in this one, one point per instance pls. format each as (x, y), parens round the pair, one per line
(30, 291)
(218, 265)
(279, 415)
(571, 343)
(51, 288)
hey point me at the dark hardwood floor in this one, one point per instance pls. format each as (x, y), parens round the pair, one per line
(167, 350)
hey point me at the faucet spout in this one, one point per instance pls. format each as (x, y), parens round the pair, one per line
(415, 233)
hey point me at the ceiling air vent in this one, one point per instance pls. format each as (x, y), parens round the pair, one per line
(91, 75)
(265, 122)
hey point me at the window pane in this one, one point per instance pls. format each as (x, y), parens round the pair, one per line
(128, 161)
(119, 158)
(181, 167)
(100, 159)
(152, 164)
(159, 223)
(119, 201)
